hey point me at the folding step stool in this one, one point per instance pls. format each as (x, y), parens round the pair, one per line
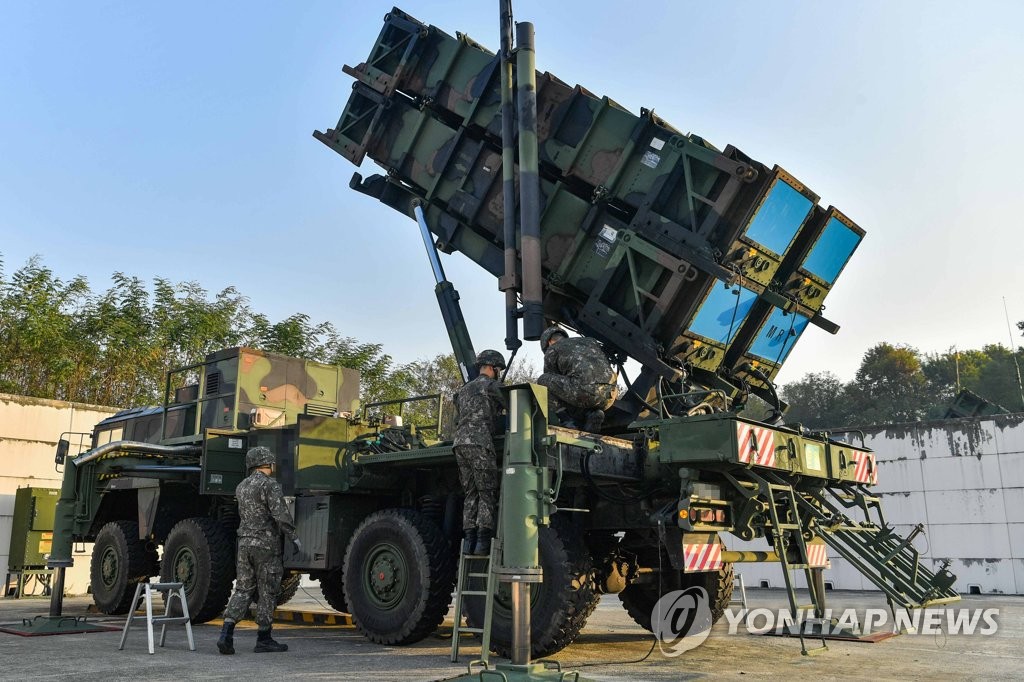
(742, 601)
(170, 592)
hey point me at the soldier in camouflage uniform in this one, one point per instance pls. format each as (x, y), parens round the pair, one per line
(264, 519)
(478, 407)
(581, 383)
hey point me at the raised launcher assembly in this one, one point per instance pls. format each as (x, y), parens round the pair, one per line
(703, 265)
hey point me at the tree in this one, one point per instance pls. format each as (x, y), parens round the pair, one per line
(889, 386)
(816, 400)
(997, 379)
(60, 340)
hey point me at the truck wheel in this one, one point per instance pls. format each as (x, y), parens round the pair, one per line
(200, 553)
(639, 598)
(333, 588)
(289, 587)
(398, 576)
(559, 606)
(120, 560)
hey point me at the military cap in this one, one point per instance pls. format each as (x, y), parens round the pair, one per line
(490, 357)
(259, 456)
(549, 334)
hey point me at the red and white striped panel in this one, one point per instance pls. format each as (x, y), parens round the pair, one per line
(817, 556)
(764, 453)
(698, 558)
(865, 469)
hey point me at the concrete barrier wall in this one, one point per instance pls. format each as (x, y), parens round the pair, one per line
(29, 431)
(963, 479)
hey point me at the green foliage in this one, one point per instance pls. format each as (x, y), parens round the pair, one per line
(61, 340)
(896, 383)
(815, 400)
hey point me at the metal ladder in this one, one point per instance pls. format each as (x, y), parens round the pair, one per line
(871, 546)
(481, 569)
(737, 582)
(788, 531)
(170, 591)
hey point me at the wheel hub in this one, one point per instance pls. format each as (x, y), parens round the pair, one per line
(386, 575)
(108, 567)
(185, 566)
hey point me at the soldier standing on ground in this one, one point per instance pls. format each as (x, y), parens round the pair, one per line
(264, 519)
(581, 383)
(478, 407)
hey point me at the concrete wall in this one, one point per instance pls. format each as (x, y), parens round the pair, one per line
(29, 431)
(963, 479)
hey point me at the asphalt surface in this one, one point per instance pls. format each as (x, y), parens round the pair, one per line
(609, 649)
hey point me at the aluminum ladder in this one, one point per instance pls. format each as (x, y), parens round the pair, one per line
(473, 569)
(171, 591)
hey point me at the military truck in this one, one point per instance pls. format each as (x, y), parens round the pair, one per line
(702, 265)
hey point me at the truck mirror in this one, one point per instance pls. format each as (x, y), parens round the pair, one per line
(63, 445)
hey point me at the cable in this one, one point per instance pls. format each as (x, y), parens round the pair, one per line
(661, 593)
(315, 599)
(604, 495)
(508, 367)
(789, 333)
(629, 387)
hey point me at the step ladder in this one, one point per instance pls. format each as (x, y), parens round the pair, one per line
(737, 583)
(474, 569)
(788, 528)
(171, 591)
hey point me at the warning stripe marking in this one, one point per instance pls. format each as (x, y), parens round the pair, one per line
(817, 556)
(864, 467)
(703, 557)
(756, 444)
(311, 617)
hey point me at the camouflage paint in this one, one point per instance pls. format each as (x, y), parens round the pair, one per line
(529, 184)
(637, 220)
(243, 387)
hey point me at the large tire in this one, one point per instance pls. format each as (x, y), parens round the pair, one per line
(200, 553)
(398, 576)
(120, 560)
(333, 588)
(639, 598)
(289, 587)
(559, 606)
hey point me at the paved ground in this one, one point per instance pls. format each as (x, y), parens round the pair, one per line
(607, 650)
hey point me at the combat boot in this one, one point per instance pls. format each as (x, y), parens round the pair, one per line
(226, 643)
(483, 542)
(266, 644)
(468, 540)
(593, 421)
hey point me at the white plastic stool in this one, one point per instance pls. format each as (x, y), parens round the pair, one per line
(171, 591)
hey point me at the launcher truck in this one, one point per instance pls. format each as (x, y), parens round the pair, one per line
(702, 265)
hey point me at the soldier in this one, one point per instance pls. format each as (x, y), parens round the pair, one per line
(264, 518)
(478, 406)
(580, 381)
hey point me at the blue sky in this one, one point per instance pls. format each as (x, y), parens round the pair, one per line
(173, 139)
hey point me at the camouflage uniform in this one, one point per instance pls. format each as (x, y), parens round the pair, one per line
(478, 407)
(264, 518)
(578, 376)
